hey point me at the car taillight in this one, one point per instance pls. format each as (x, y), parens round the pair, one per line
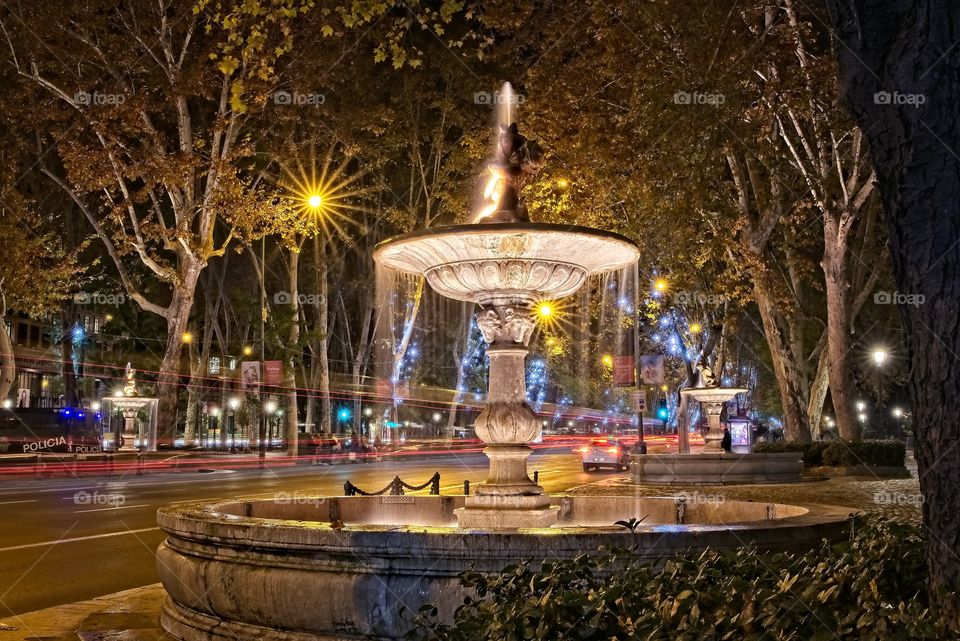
(614, 450)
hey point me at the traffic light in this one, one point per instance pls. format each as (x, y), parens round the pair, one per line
(662, 412)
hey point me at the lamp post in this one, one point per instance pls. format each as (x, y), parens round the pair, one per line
(234, 403)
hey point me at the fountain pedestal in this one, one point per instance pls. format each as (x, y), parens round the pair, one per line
(508, 498)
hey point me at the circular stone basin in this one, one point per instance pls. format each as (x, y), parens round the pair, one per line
(272, 569)
(493, 263)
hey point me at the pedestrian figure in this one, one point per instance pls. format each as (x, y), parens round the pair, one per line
(727, 442)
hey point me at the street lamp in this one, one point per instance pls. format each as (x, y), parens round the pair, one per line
(861, 406)
(270, 407)
(7, 403)
(862, 417)
(897, 412)
(233, 403)
(315, 201)
(879, 357)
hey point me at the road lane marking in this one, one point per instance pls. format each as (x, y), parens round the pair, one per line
(75, 539)
(24, 501)
(107, 509)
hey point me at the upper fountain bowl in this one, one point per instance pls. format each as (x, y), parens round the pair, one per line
(506, 263)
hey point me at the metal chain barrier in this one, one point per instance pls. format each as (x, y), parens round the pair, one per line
(396, 487)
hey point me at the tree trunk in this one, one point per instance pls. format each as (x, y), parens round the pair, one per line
(323, 342)
(67, 320)
(842, 388)
(8, 365)
(792, 397)
(291, 415)
(818, 394)
(168, 381)
(907, 49)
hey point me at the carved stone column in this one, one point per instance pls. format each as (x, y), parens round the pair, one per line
(508, 498)
(714, 435)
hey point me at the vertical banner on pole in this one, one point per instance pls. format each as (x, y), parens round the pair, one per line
(250, 377)
(651, 369)
(624, 371)
(273, 373)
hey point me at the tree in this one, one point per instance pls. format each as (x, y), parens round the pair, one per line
(150, 109)
(900, 77)
(35, 273)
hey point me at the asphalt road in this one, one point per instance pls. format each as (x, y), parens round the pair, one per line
(68, 540)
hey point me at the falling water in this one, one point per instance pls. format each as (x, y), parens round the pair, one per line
(418, 332)
(506, 105)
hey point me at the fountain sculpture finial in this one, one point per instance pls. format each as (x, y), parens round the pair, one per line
(517, 159)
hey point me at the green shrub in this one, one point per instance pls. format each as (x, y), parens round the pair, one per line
(884, 453)
(842, 453)
(869, 588)
(812, 452)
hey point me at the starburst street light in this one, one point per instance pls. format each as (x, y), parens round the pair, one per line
(545, 310)
(607, 360)
(660, 285)
(879, 357)
(323, 193)
(695, 328)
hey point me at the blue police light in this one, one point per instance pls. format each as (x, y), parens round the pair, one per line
(344, 414)
(663, 414)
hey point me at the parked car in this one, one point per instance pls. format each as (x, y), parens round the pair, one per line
(604, 452)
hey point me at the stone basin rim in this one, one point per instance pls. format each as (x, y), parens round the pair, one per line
(202, 518)
(503, 229)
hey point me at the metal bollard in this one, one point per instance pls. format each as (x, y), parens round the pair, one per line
(466, 487)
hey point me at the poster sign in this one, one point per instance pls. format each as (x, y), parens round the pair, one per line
(272, 372)
(639, 401)
(250, 377)
(651, 369)
(624, 372)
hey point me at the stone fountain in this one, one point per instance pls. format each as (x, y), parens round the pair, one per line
(712, 465)
(505, 268)
(321, 568)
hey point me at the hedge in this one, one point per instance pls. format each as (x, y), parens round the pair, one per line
(870, 588)
(888, 452)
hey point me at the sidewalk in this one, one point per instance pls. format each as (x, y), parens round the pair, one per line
(131, 615)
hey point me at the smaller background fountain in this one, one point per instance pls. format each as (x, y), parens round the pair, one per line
(136, 434)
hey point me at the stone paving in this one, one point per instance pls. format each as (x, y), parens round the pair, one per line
(897, 498)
